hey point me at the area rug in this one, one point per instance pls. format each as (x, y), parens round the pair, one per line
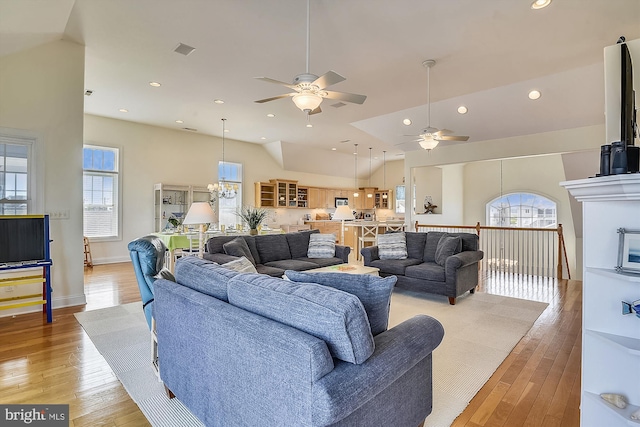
(480, 331)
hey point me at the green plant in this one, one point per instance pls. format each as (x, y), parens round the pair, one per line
(252, 216)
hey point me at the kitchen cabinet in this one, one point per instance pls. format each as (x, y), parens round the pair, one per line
(317, 198)
(286, 193)
(610, 340)
(380, 201)
(265, 196)
(303, 197)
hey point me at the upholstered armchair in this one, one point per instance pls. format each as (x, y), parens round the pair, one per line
(147, 254)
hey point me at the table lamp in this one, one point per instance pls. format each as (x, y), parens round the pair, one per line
(200, 213)
(343, 212)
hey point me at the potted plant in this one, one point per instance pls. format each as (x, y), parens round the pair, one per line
(253, 217)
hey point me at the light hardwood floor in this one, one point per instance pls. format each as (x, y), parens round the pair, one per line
(538, 384)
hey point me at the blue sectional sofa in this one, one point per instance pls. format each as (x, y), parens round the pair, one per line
(272, 254)
(243, 349)
(452, 276)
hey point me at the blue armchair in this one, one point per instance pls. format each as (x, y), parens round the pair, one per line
(147, 254)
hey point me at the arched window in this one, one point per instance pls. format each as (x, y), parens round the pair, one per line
(522, 210)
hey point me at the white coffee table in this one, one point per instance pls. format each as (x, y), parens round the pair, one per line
(346, 268)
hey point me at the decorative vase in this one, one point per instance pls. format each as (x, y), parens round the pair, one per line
(253, 231)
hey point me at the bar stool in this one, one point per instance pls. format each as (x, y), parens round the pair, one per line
(369, 235)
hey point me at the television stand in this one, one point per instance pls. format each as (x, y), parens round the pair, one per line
(29, 277)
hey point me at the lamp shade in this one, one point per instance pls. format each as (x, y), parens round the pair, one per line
(199, 213)
(343, 213)
(307, 101)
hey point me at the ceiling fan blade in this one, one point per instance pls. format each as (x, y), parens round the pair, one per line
(445, 132)
(278, 82)
(343, 96)
(327, 79)
(452, 138)
(286, 95)
(316, 111)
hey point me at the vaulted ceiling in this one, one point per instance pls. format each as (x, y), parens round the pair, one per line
(489, 55)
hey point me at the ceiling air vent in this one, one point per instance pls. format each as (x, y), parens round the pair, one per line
(184, 49)
(338, 104)
(190, 129)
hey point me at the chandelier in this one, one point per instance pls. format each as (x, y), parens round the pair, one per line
(224, 189)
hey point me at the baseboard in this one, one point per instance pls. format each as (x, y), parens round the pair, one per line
(111, 260)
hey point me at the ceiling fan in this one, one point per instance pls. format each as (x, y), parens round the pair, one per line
(429, 137)
(310, 89)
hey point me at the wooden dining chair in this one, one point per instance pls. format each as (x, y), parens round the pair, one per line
(369, 234)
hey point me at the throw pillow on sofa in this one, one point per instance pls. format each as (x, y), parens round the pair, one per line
(322, 246)
(336, 317)
(447, 246)
(374, 292)
(238, 247)
(392, 246)
(241, 265)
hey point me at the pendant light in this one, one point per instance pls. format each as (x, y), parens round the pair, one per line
(224, 189)
(355, 172)
(370, 195)
(384, 174)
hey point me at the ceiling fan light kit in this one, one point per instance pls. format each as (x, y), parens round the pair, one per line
(430, 137)
(310, 89)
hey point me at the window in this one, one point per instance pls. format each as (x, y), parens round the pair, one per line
(400, 199)
(230, 195)
(100, 191)
(522, 210)
(15, 159)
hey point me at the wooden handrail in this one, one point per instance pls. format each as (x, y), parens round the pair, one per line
(562, 249)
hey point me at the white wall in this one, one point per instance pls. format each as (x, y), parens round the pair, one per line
(484, 181)
(41, 93)
(152, 155)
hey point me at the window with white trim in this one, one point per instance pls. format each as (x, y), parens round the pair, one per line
(100, 198)
(522, 210)
(15, 160)
(230, 193)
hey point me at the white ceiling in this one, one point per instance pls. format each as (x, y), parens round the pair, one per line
(489, 54)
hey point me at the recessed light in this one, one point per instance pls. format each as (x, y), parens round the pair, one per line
(539, 4)
(406, 122)
(534, 94)
(154, 84)
(218, 101)
(309, 125)
(462, 109)
(263, 137)
(333, 149)
(123, 110)
(271, 115)
(179, 121)
(226, 130)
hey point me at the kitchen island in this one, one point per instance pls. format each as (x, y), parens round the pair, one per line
(352, 229)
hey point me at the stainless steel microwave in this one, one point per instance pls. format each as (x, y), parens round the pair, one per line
(342, 201)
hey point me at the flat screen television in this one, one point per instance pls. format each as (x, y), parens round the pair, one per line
(627, 98)
(24, 239)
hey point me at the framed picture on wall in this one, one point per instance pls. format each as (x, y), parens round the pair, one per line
(628, 251)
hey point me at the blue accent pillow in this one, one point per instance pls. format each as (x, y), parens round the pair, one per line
(374, 292)
(336, 317)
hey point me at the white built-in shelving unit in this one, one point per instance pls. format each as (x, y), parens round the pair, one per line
(610, 340)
